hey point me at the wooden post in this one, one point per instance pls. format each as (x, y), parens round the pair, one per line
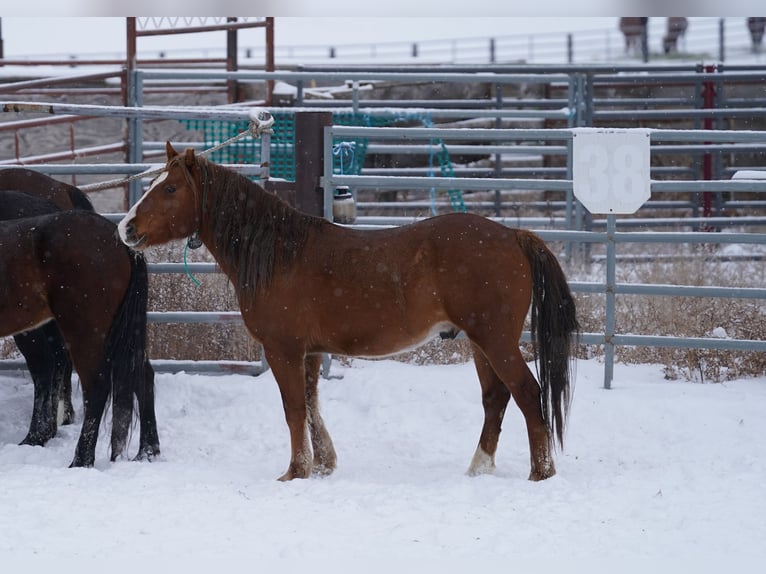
(309, 160)
(231, 60)
(269, 58)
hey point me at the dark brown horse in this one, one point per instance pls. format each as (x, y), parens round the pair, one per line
(69, 267)
(307, 286)
(61, 194)
(43, 348)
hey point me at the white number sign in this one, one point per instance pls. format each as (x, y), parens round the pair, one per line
(610, 169)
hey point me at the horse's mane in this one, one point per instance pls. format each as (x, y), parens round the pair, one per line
(253, 231)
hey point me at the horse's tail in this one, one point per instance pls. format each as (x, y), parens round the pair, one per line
(79, 199)
(555, 330)
(126, 353)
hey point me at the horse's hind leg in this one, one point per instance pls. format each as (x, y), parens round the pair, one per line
(149, 444)
(324, 451)
(62, 373)
(122, 415)
(494, 397)
(40, 362)
(510, 367)
(95, 392)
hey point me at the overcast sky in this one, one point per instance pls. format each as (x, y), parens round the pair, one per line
(33, 36)
(313, 8)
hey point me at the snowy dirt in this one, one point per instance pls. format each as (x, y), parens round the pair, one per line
(654, 473)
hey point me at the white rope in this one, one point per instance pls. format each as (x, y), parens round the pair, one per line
(261, 122)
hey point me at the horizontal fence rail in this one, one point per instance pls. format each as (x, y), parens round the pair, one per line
(611, 238)
(572, 101)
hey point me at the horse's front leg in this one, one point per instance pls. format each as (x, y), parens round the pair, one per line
(289, 371)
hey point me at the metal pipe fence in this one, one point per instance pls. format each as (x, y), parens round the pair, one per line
(610, 238)
(579, 106)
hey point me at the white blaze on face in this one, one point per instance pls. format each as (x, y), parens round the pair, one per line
(132, 213)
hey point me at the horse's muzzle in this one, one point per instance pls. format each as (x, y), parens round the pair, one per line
(128, 234)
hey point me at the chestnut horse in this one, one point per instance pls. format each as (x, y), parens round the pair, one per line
(69, 267)
(306, 286)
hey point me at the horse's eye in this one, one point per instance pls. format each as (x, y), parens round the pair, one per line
(170, 189)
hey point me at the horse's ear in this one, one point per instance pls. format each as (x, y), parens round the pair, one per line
(189, 157)
(170, 150)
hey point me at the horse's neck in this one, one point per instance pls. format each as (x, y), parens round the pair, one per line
(245, 228)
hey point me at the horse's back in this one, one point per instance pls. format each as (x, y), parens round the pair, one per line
(85, 231)
(16, 204)
(448, 242)
(380, 291)
(29, 181)
(67, 236)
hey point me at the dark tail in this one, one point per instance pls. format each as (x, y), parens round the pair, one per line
(79, 199)
(130, 371)
(555, 330)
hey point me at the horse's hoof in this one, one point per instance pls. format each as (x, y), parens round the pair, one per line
(538, 476)
(33, 440)
(481, 463)
(66, 413)
(147, 454)
(294, 472)
(322, 470)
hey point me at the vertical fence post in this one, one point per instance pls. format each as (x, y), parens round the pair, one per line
(611, 280)
(270, 67)
(309, 160)
(328, 187)
(498, 156)
(131, 95)
(299, 88)
(708, 102)
(231, 61)
(645, 41)
(135, 134)
(721, 40)
(570, 48)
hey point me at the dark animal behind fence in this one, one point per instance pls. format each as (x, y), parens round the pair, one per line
(95, 289)
(633, 29)
(756, 25)
(307, 286)
(676, 28)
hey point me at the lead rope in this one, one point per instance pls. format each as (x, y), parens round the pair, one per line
(186, 266)
(261, 121)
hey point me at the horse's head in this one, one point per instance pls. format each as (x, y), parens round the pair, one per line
(170, 208)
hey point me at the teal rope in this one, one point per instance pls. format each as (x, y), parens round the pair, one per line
(186, 268)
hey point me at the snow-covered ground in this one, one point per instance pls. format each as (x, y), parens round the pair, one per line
(655, 476)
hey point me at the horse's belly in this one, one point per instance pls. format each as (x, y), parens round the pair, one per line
(23, 304)
(387, 343)
(15, 320)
